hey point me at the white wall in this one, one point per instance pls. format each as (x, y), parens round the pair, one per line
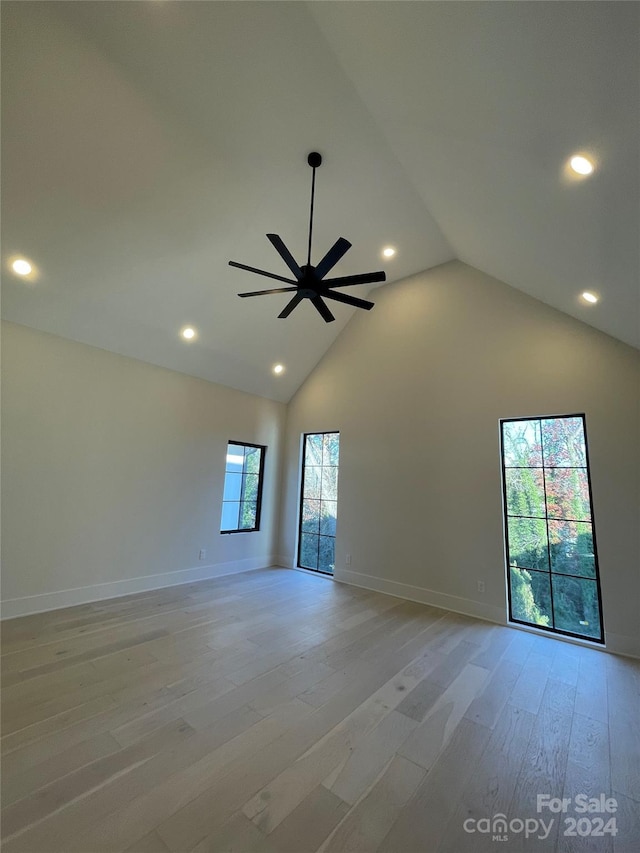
(416, 388)
(113, 472)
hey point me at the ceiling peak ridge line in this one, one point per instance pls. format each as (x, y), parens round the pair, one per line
(377, 124)
(309, 281)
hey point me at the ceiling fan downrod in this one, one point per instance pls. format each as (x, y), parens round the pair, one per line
(314, 160)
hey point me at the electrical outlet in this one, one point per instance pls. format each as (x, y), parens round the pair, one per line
(480, 586)
(202, 555)
(347, 559)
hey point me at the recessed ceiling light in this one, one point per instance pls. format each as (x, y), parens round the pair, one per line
(589, 297)
(581, 165)
(388, 252)
(278, 369)
(188, 333)
(21, 266)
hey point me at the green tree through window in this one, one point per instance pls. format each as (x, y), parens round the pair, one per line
(553, 579)
(319, 502)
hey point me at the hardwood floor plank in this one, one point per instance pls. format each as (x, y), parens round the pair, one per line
(422, 822)
(275, 711)
(491, 654)
(519, 648)
(545, 759)
(369, 757)
(206, 712)
(292, 687)
(151, 843)
(530, 686)
(310, 823)
(376, 813)
(487, 707)
(20, 739)
(210, 755)
(128, 807)
(48, 687)
(490, 789)
(587, 774)
(145, 724)
(566, 664)
(19, 785)
(126, 685)
(425, 695)
(277, 799)
(16, 668)
(237, 835)
(328, 688)
(52, 798)
(628, 824)
(623, 677)
(200, 818)
(591, 689)
(59, 731)
(428, 740)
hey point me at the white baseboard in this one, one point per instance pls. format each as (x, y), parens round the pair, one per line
(618, 644)
(466, 606)
(14, 607)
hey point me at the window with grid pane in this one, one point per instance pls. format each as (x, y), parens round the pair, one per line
(242, 487)
(553, 580)
(319, 502)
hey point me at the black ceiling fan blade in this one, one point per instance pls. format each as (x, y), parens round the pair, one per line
(265, 292)
(339, 248)
(261, 272)
(323, 309)
(350, 300)
(285, 254)
(348, 280)
(288, 308)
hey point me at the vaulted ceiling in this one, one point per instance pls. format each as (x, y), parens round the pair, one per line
(147, 144)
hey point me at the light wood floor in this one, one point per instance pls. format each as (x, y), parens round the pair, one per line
(277, 712)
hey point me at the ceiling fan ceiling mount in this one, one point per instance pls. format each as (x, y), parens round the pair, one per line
(309, 281)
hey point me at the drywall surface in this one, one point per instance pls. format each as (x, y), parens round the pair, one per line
(416, 388)
(113, 473)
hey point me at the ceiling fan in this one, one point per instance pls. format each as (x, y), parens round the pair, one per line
(309, 281)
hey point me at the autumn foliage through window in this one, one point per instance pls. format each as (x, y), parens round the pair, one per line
(553, 579)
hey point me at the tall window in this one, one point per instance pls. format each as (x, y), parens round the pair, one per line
(319, 502)
(553, 579)
(242, 488)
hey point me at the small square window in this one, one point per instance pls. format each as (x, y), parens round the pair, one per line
(242, 496)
